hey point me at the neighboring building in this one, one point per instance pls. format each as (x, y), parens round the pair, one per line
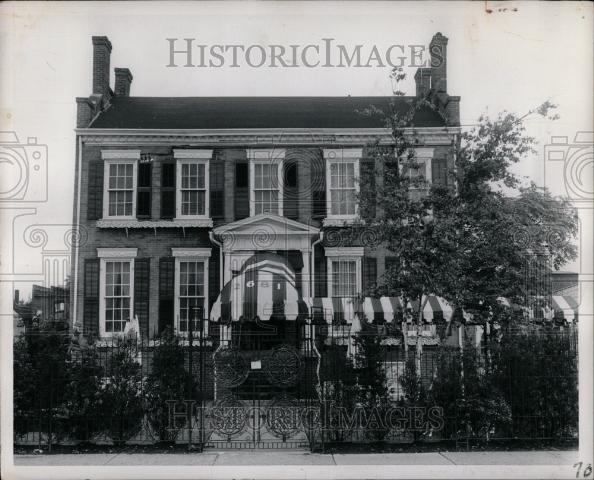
(175, 194)
(49, 304)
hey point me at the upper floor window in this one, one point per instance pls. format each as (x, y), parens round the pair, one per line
(120, 183)
(342, 183)
(266, 179)
(192, 200)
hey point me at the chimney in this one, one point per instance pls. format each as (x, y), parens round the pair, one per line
(101, 54)
(16, 297)
(438, 48)
(123, 79)
(423, 81)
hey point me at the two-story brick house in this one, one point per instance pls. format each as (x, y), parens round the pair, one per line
(175, 194)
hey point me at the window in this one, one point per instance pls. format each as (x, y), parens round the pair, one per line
(193, 181)
(266, 181)
(191, 287)
(266, 188)
(344, 271)
(117, 296)
(193, 189)
(344, 278)
(342, 183)
(120, 174)
(117, 289)
(191, 293)
(342, 189)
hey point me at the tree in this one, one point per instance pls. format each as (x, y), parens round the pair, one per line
(469, 243)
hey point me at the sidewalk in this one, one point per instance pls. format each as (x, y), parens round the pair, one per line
(293, 457)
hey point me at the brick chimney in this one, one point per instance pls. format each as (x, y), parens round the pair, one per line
(123, 79)
(438, 48)
(101, 55)
(423, 81)
(16, 297)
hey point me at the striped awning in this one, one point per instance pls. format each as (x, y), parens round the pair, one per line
(330, 309)
(565, 306)
(263, 289)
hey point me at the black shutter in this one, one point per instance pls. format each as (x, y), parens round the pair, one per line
(217, 190)
(367, 188)
(369, 273)
(91, 297)
(213, 278)
(95, 190)
(320, 275)
(166, 292)
(141, 294)
(242, 191)
(144, 190)
(439, 171)
(168, 190)
(290, 190)
(318, 189)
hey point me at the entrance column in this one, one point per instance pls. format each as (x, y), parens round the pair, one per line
(305, 274)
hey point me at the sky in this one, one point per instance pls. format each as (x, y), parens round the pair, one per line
(513, 58)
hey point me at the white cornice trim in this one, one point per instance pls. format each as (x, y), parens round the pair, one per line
(193, 153)
(117, 252)
(259, 131)
(120, 154)
(191, 252)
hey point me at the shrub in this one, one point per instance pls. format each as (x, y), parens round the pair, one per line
(169, 381)
(120, 395)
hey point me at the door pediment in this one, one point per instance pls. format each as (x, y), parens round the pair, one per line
(272, 223)
(266, 232)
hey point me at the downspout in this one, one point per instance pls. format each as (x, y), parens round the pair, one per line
(74, 283)
(220, 245)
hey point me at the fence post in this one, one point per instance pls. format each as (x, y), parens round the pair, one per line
(191, 373)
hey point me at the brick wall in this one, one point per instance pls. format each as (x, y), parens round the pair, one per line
(156, 243)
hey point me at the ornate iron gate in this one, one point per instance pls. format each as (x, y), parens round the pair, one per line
(264, 386)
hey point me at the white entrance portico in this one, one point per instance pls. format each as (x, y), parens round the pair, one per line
(265, 232)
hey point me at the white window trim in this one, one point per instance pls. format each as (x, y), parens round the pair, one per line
(190, 255)
(263, 156)
(111, 157)
(341, 155)
(192, 156)
(114, 255)
(349, 254)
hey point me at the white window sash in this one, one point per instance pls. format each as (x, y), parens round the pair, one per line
(102, 292)
(186, 255)
(206, 189)
(337, 156)
(345, 258)
(107, 163)
(266, 157)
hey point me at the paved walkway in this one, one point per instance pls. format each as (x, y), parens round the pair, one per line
(292, 457)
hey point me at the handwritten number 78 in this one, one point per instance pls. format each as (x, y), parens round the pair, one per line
(587, 470)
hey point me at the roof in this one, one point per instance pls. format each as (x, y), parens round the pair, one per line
(253, 112)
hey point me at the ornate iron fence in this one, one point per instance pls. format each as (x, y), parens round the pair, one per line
(290, 385)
